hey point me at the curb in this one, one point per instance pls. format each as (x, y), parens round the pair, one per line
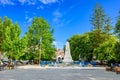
(69, 67)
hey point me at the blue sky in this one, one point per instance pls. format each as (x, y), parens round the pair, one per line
(66, 17)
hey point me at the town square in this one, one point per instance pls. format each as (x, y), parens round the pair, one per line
(59, 40)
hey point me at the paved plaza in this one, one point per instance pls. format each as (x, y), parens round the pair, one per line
(58, 74)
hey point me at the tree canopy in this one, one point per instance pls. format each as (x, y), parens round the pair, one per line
(100, 43)
(27, 47)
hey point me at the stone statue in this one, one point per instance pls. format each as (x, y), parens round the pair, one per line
(67, 56)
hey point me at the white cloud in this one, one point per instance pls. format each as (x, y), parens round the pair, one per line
(57, 19)
(48, 1)
(29, 2)
(22, 1)
(40, 7)
(58, 44)
(57, 15)
(30, 20)
(68, 21)
(6, 2)
(26, 17)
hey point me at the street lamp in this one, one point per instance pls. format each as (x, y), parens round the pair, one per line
(40, 50)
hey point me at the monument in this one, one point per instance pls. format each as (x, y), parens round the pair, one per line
(67, 57)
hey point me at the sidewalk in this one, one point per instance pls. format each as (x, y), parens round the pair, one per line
(47, 67)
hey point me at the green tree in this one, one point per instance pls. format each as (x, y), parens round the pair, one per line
(117, 51)
(98, 18)
(107, 26)
(117, 33)
(74, 46)
(101, 23)
(37, 30)
(7, 44)
(25, 55)
(106, 50)
(101, 27)
(11, 39)
(80, 47)
(117, 27)
(84, 46)
(15, 38)
(1, 36)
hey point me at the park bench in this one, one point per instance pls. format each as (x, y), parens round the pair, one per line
(6, 65)
(2, 67)
(10, 66)
(117, 70)
(108, 68)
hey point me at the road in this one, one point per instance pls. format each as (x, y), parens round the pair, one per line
(58, 74)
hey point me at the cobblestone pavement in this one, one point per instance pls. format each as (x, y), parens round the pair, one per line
(58, 74)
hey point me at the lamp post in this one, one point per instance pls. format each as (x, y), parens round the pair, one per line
(40, 50)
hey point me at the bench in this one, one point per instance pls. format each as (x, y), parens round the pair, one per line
(108, 68)
(2, 67)
(117, 70)
(10, 66)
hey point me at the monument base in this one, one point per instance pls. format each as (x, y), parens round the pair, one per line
(63, 64)
(68, 62)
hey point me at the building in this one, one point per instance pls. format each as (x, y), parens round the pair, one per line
(59, 55)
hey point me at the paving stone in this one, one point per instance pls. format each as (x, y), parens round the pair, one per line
(58, 74)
